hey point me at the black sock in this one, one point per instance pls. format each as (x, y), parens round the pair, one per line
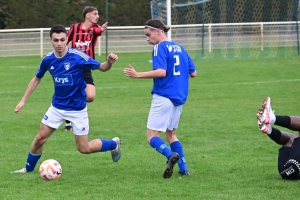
(67, 121)
(275, 134)
(283, 121)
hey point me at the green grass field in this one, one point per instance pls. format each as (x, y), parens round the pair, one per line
(227, 156)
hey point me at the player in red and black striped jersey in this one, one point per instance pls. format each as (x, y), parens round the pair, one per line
(84, 36)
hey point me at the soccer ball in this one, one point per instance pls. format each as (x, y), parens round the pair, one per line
(50, 170)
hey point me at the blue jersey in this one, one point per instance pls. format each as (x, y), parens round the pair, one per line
(69, 85)
(173, 58)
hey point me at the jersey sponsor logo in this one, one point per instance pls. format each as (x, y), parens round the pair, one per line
(289, 172)
(63, 80)
(83, 45)
(176, 48)
(81, 33)
(66, 66)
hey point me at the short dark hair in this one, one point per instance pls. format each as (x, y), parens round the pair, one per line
(88, 9)
(156, 24)
(58, 29)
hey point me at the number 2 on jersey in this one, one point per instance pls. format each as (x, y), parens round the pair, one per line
(176, 65)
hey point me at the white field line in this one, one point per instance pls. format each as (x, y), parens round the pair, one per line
(144, 86)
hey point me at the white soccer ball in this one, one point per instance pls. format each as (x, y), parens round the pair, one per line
(50, 170)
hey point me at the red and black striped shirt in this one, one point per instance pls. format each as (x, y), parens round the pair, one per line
(84, 39)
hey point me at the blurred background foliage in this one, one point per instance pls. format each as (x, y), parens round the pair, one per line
(15, 14)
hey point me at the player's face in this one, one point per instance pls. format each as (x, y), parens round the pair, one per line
(152, 35)
(93, 16)
(59, 42)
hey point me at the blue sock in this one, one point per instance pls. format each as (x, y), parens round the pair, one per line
(159, 145)
(32, 159)
(177, 147)
(108, 145)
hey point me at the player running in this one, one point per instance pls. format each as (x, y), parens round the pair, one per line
(84, 36)
(69, 99)
(172, 68)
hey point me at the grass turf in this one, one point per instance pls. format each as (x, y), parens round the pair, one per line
(226, 154)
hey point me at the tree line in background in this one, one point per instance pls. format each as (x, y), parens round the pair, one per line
(16, 14)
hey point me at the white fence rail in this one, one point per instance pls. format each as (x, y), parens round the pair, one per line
(128, 39)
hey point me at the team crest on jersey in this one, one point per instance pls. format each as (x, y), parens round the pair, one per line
(90, 32)
(67, 66)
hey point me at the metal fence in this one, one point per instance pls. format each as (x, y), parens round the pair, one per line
(197, 37)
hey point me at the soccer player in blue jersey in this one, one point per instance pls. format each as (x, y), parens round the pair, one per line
(69, 99)
(172, 67)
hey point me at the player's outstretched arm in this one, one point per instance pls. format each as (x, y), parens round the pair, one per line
(132, 73)
(105, 66)
(30, 88)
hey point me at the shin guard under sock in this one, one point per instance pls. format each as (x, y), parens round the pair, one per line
(159, 145)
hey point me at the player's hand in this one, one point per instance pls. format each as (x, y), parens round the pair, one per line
(130, 72)
(111, 58)
(104, 26)
(19, 106)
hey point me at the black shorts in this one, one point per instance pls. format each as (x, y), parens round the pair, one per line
(87, 76)
(289, 161)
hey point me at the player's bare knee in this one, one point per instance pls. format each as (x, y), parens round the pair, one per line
(39, 139)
